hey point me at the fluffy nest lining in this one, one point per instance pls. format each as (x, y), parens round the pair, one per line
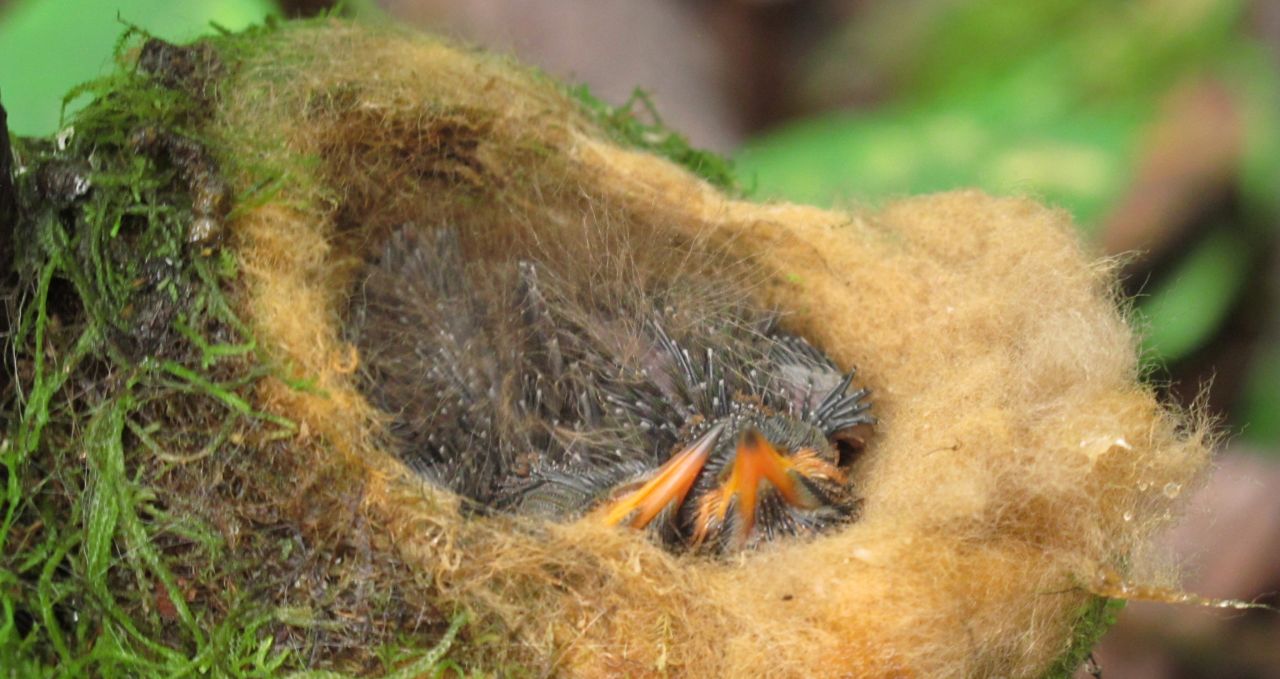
(1019, 458)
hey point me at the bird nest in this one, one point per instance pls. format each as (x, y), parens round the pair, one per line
(1017, 473)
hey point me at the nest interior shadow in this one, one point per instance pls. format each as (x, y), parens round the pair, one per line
(602, 374)
(1018, 459)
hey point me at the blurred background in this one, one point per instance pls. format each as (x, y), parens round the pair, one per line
(1155, 123)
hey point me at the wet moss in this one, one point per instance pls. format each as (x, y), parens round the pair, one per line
(1095, 618)
(149, 524)
(636, 124)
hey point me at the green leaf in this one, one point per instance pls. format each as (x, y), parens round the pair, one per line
(49, 46)
(1190, 306)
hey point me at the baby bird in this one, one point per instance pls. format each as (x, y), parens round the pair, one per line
(578, 383)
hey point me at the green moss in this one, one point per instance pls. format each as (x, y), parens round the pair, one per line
(626, 126)
(91, 551)
(145, 525)
(152, 521)
(1092, 621)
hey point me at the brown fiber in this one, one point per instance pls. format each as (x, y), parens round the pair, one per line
(1019, 456)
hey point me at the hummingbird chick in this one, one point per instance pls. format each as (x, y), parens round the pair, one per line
(578, 383)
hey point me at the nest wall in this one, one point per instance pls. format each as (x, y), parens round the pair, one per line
(1019, 459)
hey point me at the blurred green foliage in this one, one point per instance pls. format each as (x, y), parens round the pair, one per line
(1261, 411)
(1044, 98)
(1050, 99)
(1181, 313)
(47, 47)
(898, 150)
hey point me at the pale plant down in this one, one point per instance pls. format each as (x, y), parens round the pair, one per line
(991, 498)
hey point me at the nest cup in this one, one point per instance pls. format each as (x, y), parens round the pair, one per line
(1019, 457)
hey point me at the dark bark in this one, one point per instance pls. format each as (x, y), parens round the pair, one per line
(8, 198)
(8, 224)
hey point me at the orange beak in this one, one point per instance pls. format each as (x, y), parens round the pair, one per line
(667, 488)
(757, 461)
